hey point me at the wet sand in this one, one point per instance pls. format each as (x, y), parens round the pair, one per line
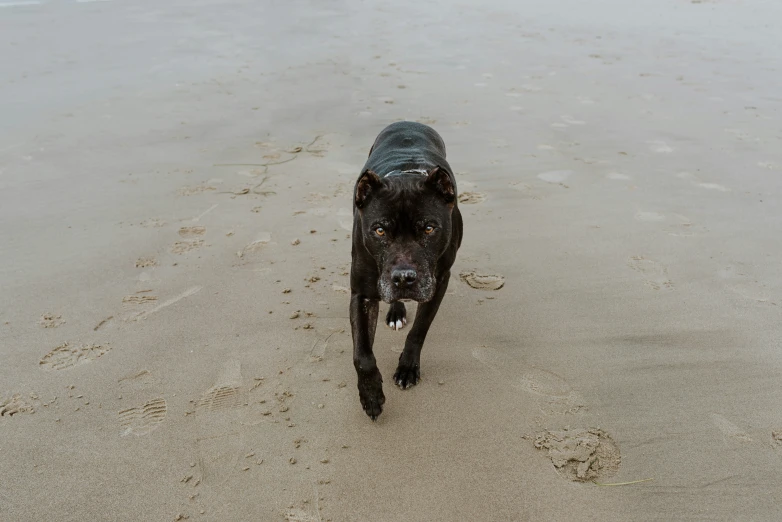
(175, 234)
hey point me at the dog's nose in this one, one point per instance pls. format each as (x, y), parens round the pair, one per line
(403, 278)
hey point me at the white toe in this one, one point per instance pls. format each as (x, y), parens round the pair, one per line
(399, 325)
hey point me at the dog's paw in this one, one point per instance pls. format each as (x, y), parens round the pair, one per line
(396, 318)
(407, 374)
(370, 392)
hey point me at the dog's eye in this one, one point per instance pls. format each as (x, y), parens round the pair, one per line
(429, 229)
(380, 232)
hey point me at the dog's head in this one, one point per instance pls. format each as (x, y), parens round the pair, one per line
(404, 221)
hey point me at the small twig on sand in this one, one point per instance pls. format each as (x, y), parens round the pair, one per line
(240, 193)
(623, 483)
(262, 192)
(293, 151)
(253, 189)
(253, 164)
(325, 342)
(307, 148)
(264, 180)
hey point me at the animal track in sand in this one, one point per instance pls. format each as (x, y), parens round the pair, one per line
(482, 281)
(103, 322)
(67, 355)
(220, 397)
(745, 286)
(557, 396)
(742, 135)
(542, 382)
(471, 198)
(196, 189)
(657, 273)
(729, 430)
(299, 515)
(681, 230)
(698, 182)
(143, 419)
(137, 382)
(527, 191)
(14, 405)
(317, 197)
(646, 266)
(181, 247)
(530, 379)
(685, 228)
(263, 239)
(192, 231)
(153, 223)
(139, 299)
(218, 411)
(146, 313)
(581, 454)
(342, 190)
(51, 321)
(144, 262)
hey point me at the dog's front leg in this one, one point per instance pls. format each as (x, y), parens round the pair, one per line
(363, 322)
(408, 372)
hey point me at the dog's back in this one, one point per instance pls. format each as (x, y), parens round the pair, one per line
(407, 145)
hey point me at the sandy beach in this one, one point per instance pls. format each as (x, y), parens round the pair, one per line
(175, 220)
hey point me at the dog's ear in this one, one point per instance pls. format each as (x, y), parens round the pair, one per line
(439, 180)
(368, 183)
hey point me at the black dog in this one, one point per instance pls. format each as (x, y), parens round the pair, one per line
(406, 231)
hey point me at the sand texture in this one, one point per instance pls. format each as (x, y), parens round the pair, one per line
(175, 222)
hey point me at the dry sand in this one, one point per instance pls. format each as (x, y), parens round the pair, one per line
(174, 339)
